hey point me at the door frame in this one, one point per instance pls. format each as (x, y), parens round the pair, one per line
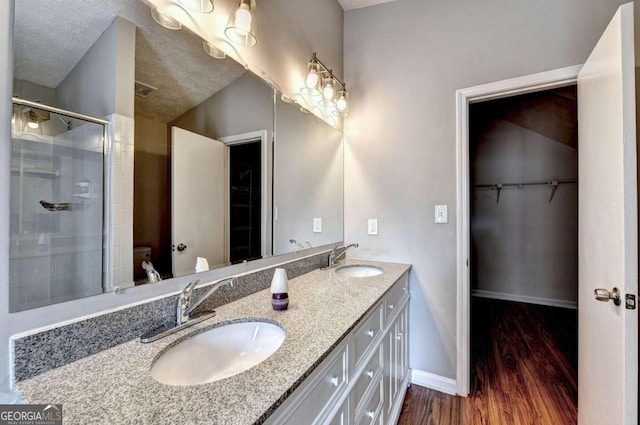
(464, 97)
(240, 139)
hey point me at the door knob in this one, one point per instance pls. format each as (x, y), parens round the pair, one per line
(181, 247)
(606, 295)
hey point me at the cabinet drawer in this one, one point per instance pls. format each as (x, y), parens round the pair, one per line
(327, 385)
(395, 297)
(373, 406)
(366, 379)
(366, 333)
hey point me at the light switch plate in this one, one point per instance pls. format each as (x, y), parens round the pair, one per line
(372, 226)
(441, 214)
(317, 225)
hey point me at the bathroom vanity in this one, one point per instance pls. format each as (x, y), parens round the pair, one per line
(343, 361)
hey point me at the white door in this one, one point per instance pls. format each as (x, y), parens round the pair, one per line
(198, 200)
(608, 231)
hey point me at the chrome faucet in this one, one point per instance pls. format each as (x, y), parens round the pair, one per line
(186, 305)
(152, 274)
(298, 244)
(337, 252)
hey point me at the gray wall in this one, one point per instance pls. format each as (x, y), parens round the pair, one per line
(404, 61)
(524, 245)
(102, 82)
(308, 181)
(289, 34)
(243, 106)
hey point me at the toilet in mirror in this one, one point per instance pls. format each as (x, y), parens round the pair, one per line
(137, 156)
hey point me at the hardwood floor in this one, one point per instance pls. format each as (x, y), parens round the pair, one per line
(525, 371)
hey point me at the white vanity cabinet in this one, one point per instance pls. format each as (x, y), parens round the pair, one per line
(364, 379)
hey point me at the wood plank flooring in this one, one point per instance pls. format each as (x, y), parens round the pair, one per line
(525, 371)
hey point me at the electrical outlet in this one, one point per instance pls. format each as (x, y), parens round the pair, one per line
(372, 226)
(441, 214)
(317, 225)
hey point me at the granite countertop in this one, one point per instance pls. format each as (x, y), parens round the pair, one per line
(115, 387)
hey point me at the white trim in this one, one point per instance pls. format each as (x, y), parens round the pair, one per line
(524, 299)
(435, 382)
(239, 139)
(530, 83)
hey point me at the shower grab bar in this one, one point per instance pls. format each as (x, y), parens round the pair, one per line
(23, 102)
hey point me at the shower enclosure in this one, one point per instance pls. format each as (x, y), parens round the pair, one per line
(57, 205)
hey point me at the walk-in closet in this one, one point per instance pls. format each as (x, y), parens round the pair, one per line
(524, 258)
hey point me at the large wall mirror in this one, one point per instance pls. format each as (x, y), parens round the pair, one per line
(138, 156)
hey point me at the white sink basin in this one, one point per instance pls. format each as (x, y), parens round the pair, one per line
(217, 353)
(359, 270)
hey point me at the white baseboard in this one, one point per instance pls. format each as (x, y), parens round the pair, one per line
(435, 382)
(524, 299)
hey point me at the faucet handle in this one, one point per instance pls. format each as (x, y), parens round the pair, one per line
(189, 288)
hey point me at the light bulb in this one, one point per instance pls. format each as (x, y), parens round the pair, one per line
(33, 124)
(328, 90)
(243, 19)
(312, 78)
(341, 104)
(164, 19)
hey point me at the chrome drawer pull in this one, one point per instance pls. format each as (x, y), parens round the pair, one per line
(371, 414)
(399, 336)
(390, 306)
(335, 381)
(370, 333)
(370, 374)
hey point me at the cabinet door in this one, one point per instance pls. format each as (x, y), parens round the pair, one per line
(396, 360)
(342, 415)
(404, 343)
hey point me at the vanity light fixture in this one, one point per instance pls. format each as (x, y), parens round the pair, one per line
(213, 51)
(165, 20)
(241, 26)
(321, 81)
(200, 6)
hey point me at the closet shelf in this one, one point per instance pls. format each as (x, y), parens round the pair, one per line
(554, 184)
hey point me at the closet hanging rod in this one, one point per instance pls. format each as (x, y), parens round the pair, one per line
(533, 183)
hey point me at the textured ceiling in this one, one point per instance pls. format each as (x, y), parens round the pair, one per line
(52, 36)
(357, 4)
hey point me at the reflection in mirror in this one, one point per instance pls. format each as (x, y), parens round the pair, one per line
(219, 163)
(57, 164)
(184, 181)
(308, 182)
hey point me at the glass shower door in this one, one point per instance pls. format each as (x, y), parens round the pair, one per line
(57, 207)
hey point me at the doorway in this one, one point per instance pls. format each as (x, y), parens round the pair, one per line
(464, 100)
(524, 256)
(245, 199)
